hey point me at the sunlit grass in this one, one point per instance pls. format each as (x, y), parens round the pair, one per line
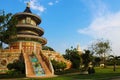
(100, 74)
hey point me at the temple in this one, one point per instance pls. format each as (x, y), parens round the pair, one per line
(27, 46)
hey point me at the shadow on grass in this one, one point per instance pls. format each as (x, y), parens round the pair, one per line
(6, 76)
(96, 76)
(101, 74)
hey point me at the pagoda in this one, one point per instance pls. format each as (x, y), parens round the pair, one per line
(29, 34)
(28, 42)
(26, 46)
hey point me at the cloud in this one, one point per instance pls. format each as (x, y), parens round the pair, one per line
(50, 3)
(96, 7)
(106, 25)
(57, 1)
(34, 4)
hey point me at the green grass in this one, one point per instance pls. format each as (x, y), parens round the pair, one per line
(101, 74)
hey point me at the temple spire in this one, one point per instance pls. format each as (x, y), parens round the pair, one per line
(28, 8)
(79, 49)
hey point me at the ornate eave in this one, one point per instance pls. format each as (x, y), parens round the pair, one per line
(41, 40)
(36, 29)
(24, 14)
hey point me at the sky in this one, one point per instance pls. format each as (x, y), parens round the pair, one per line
(71, 22)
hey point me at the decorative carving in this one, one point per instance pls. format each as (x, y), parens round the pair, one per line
(3, 62)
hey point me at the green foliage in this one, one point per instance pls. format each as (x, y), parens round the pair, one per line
(68, 71)
(47, 48)
(73, 56)
(86, 59)
(7, 27)
(17, 66)
(13, 73)
(100, 74)
(100, 47)
(114, 60)
(10, 66)
(58, 66)
(97, 61)
(75, 59)
(91, 70)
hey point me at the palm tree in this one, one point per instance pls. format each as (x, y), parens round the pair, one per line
(114, 59)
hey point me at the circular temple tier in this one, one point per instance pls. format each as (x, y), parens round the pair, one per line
(28, 29)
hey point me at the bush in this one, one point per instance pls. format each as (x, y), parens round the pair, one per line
(58, 66)
(73, 56)
(17, 66)
(13, 72)
(67, 71)
(91, 70)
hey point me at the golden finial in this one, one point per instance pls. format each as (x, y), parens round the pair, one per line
(28, 4)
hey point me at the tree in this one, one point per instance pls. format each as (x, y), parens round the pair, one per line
(86, 58)
(101, 47)
(7, 27)
(114, 59)
(58, 65)
(73, 56)
(97, 60)
(47, 48)
(1, 27)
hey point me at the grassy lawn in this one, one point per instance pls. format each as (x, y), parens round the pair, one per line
(101, 74)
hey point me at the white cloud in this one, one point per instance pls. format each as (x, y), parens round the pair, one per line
(105, 25)
(96, 7)
(34, 4)
(50, 3)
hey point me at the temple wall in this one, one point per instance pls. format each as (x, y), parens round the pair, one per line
(26, 46)
(56, 56)
(8, 56)
(14, 52)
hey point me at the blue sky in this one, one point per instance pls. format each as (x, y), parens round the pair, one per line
(70, 22)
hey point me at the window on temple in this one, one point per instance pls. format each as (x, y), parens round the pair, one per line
(23, 21)
(33, 22)
(28, 20)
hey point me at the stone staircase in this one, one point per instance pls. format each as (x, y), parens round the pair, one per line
(38, 69)
(38, 65)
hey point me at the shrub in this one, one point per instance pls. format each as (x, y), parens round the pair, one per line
(17, 66)
(91, 70)
(13, 72)
(58, 66)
